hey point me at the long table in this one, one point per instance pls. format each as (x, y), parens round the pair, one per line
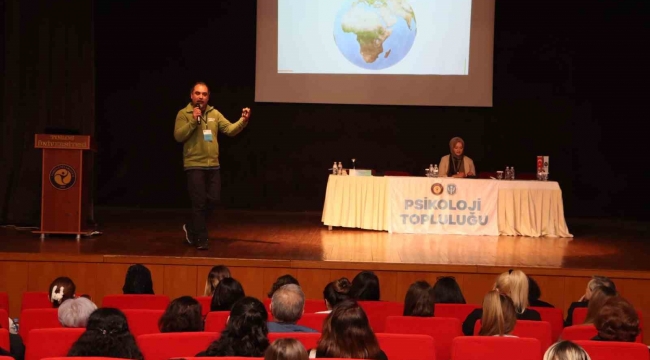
(438, 205)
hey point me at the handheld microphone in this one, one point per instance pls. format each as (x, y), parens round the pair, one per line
(198, 118)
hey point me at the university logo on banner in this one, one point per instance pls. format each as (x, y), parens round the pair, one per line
(443, 206)
(63, 177)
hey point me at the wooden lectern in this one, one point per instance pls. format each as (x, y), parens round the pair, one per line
(65, 194)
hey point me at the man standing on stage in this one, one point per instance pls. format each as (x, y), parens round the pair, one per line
(196, 127)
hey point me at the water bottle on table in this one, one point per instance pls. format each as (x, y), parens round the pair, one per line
(335, 169)
(435, 170)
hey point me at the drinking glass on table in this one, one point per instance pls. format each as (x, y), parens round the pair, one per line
(500, 175)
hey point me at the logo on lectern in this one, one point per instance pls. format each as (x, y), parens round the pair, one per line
(63, 177)
(437, 189)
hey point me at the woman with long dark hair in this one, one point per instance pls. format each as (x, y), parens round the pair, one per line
(138, 280)
(365, 287)
(419, 300)
(226, 294)
(107, 335)
(182, 315)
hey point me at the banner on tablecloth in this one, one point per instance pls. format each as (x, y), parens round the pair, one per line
(443, 206)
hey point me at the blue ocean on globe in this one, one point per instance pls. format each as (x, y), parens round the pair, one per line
(367, 49)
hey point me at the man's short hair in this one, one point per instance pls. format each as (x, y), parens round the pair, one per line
(288, 303)
(199, 83)
(603, 281)
(75, 312)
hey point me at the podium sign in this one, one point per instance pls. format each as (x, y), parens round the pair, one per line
(65, 179)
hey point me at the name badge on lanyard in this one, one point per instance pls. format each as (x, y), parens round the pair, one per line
(207, 135)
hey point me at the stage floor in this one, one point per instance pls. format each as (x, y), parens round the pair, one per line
(598, 244)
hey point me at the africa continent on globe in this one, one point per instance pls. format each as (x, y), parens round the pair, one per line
(375, 34)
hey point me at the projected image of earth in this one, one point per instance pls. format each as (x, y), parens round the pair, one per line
(375, 34)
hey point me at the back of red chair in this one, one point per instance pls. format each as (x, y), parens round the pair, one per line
(495, 347)
(308, 340)
(143, 321)
(222, 358)
(407, 347)
(206, 302)
(607, 350)
(458, 311)
(579, 332)
(313, 321)
(123, 302)
(442, 330)
(216, 321)
(540, 330)
(35, 300)
(553, 316)
(4, 319)
(4, 301)
(173, 345)
(84, 358)
(4, 339)
(51, 342)
(37, 319)
(378, 311)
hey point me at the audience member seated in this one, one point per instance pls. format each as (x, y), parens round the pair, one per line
(499, 315)
(617, 321)
(287, 307)
(60, 290)
(447, 291)
(584, 300)
(280, 282)
(182, 315)
(514, 284)
(246, 333)
(566, 350)
(217, 273)
(286, 349)
(74, 313)
(365, 287)
(347, 334)
(419, 300)
(107, 335)
(534, 295)
(138, 281)
(599, 297)
(226, 294)
(334, 293)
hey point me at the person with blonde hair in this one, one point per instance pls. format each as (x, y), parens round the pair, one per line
(217, 273)
(513, 284)
(566, 350)
(499, 315)
(286, 349)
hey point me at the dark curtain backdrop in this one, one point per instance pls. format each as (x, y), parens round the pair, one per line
(570, 81)
(48, 70)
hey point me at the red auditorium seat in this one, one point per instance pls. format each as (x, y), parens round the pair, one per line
(442, 330)
(407, 347)
(313, 321)
(205, 302)
(553, 316)
(122, 302)
(311, 306)
(4, 339)
(223, 358)
(607, 350)
(35, 300)
(174, 345)
(216, 321)
(378, 311)
(37, 319)
(4, 319)
(495, 347)
(540, 330)
(85, 358)
(6, 358)
(143, 321)
(51, 342)
(4, 301)
(308, 340)
(458, 311)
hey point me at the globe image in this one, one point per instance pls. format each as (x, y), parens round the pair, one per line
(375, 34)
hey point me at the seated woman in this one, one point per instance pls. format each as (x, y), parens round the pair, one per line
(138, 280)
(217, 273)
(74, 313)
(419, 300)
(334, 293)
(456, 164)
(584, 300)
(534, 295)
(107, 335)
(514, 284)
(365, 287)
(566, 350)
(499, 316)
(599, 297)
(246, 333)
(447, 291)
(617, 321)
(226, 294)
(182, 315)
(280, 282)
(60, 290)
(286, 349)
(347, 334)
